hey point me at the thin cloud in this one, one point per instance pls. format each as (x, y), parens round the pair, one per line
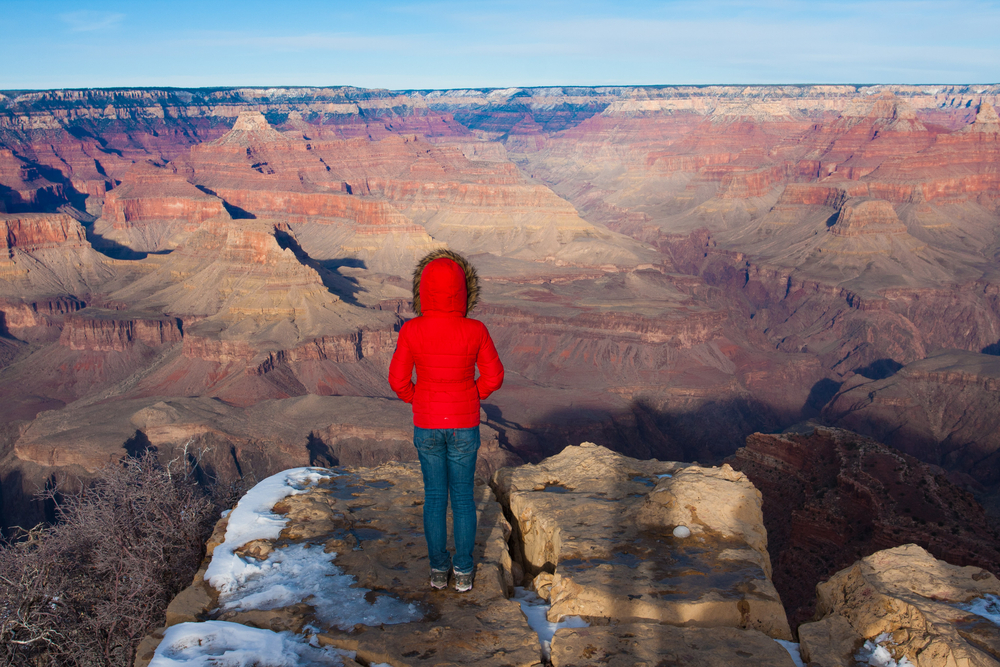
(89, 21)
(349, 42)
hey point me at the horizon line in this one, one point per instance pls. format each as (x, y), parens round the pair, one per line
(488, 88)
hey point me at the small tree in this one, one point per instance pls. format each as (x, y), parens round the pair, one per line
(86, 590)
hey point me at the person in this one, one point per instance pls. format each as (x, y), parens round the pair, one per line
(445, 346)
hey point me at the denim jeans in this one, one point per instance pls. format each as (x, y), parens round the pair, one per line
(448, 463)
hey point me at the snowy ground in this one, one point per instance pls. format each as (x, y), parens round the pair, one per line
(222, 644)
(878, 653)
(303, 573)
(987, 606)
(289, 575)
(252, 519)
(793, 650)
(535, 609)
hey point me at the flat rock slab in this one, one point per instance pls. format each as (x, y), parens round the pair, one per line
(649, 645)
(596, 528)
(917, 604)
(372, 519)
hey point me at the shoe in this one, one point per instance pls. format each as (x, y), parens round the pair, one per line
(463, 582)
(439, 579)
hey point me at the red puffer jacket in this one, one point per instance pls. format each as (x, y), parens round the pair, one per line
(445, 346)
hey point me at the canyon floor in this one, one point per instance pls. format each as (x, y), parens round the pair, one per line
(220, 275)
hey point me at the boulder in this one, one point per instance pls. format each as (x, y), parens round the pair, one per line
(908, 602)
(596, 530)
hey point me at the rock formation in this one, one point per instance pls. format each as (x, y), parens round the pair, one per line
(598, 534)
(368, 521)
(47, 254)
(831, 497)
(152, 208)
(942, 409)
(666, 269)
(909, 604)
(361, 527)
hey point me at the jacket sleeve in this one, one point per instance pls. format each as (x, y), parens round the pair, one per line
(490, 368)
(401, 369)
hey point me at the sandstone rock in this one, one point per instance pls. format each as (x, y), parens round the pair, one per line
(191, 604)
(250, 128)
(147, 647)
(941, 409)
(831, 641)
(601, 525)
(832, 496)
(47, 254)
(987, 120)
(372, 519)
(107, 331)
(153, 209)
(908, 594)
(631, 644)
(867, 216)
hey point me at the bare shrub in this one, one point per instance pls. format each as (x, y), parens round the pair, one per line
(86, 590)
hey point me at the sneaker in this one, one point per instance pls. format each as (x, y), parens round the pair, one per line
(463, 582)
(439, 579)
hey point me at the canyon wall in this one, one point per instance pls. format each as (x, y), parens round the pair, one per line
(665, 269)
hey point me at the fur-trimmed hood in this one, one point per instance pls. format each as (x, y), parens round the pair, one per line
(471, 286)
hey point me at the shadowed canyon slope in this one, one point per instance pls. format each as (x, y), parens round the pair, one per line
(666, 270)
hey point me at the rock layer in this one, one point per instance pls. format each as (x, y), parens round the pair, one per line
(913, 598)
(832, 497)
(596, 533)
(371, 519)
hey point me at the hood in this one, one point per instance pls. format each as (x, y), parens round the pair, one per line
(444, 282)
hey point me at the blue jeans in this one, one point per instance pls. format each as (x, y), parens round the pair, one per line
(448, 463)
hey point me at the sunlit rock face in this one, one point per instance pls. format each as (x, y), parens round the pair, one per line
(665, 270)
(598, 532)
(911, 605)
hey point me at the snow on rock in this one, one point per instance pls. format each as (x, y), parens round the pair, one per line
(535, 610)
(252, 519)
(902, 606)
(349, 553)
(793, 650)
(987, 607)
(879, 653)
(300, 573)
(222, 644)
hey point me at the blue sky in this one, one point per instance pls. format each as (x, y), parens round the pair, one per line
(444, 44)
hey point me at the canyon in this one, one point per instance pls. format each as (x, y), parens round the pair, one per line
(221, 274)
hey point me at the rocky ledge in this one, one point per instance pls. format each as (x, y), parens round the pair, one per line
(587, 558)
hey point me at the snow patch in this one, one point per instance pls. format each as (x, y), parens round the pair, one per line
(987, 606)
(223, 644)
(300, 573)
(793, 650)
(536, 611)
(876, 653)
(252, 519)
